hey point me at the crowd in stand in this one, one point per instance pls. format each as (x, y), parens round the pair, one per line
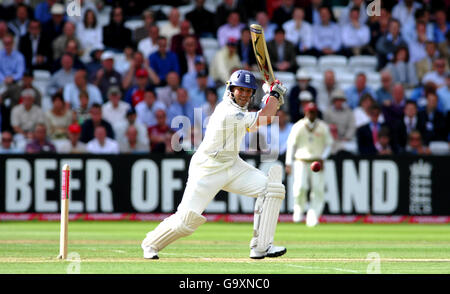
(119, 90)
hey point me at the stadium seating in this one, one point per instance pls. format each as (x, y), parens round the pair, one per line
(133, 24)
(439, 147)
(332, 61)
(306, 61)
(362, 63)
(210, 47)
(287, 78)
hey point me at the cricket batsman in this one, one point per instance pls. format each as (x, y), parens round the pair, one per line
(310, 140)
(216, 166)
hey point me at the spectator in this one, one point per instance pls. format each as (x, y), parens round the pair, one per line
(437, 76)
(136, 93)
(202, 20)
(58, 118)
(362, 112)
(282, 53)
(142, 32)
(146, 109)
(303, 84)
(417, 46)
(88, 127)
(160, 134)
(40, 142)
(393, 109)
(60, 43)
(283, 129)
(189, 78)
(269, 28)
(305, 98)
(14, 91)
(19, 25)
(224, 61)
(172, 27)
(312, 14)
(115, 110)
(425, 64)
(115, 35)
(36, 48)
(431, 122)
(401, 69)
(82, 113)
(42, 11)
(326, 35)
(12, 62)
(84, 5)
(415, 145)
(341, 116)
(444, 95)
(245, 50)
(299, 31)
(53, 28)
(388, 43)
(404, 127)
(168, 93)
(101, 144)
(177, 42)
(3, 32)
(107, 76)
(132, 144)
(232, 29)
(25, 116)
(90, 33)
(188, 55)
(420, 93)
(379, 26)
(384, 145)
(325, 90)
(63, 76)
(7, 144)
(72, 49)
(149, 44)
(163, 61)
(208, 107)
(384, 93)
(223, 10)
(123, 62)
(139, 62)
(355, 35)
(404, 10)
(283, 13)
(120, 128)
(197, 95)
(441, 26)
(181, 107)
(411, 29)
(367, 135)
(72, 144)
(355, 92)
(345, 17)
(72, 91)
(95, 64)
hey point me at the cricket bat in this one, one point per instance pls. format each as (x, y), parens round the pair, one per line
(64, 233)
(261, 53)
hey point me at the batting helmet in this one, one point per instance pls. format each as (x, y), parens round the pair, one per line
(243, 78)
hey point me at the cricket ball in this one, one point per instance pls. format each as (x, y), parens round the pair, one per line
(316, 166)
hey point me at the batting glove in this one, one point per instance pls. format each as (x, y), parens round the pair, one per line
(277, 90)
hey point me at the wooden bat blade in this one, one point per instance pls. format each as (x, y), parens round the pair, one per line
(261, 53)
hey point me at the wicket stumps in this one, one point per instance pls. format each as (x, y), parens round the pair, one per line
(64, 233)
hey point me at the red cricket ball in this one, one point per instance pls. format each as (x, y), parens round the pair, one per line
(316, 166)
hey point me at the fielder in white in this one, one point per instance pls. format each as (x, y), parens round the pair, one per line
(310, 140)
(216, 166)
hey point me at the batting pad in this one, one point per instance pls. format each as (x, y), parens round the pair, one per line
(180, 224)
(267, 210)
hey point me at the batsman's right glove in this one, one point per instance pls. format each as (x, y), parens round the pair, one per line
(276, 90)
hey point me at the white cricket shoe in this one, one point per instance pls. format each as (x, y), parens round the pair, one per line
(297, 216)
(311, 218)
(272, 251)
(149, 252)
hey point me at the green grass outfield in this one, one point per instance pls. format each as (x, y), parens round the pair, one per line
(222, 248)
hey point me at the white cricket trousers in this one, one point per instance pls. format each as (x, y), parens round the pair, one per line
(207, 177)
(303, 178)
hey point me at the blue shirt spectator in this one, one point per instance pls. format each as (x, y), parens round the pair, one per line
(355, 92)
(441, 26)
(444, 96)
(327, 35)
(181, 107)
(164, 61)
(12, 62)
(42, 11)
